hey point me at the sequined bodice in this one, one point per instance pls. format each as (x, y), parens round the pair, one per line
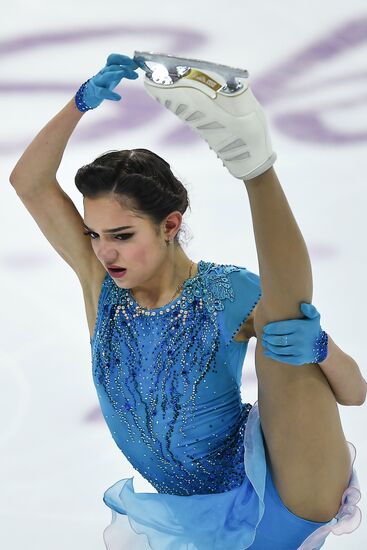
(168, 379)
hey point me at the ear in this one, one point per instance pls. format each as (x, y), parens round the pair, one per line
(172, 224)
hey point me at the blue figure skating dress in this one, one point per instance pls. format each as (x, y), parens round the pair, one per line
(168, 382)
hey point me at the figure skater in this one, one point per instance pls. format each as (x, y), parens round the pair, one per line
(169, 336)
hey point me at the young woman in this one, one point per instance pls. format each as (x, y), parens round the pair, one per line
(169, 337)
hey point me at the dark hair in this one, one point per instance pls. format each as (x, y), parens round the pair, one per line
(141, 180)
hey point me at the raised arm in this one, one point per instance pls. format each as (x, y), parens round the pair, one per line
(34, 176)
(40, 161)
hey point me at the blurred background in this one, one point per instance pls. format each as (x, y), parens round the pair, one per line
(307, 65)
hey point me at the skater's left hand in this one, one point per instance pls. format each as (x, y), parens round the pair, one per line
(293, 341)
(100, 87)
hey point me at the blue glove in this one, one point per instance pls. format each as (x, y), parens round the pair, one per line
(296, 341)
(99, 87)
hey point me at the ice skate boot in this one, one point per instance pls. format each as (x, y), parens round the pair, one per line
(215, 101)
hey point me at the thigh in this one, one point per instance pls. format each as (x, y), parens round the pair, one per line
(300, 420)
(279, 528)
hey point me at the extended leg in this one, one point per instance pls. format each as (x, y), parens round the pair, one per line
(300, 420)
(307, 449)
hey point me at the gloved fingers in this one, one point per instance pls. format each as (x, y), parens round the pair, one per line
(309, 310)
(118, 75)
(131, 75)
(112, 68)
(105, 78)
(105, 93)
(112, 85)
(282, 350)
(119, 59)
(280, 327)
(286, 340)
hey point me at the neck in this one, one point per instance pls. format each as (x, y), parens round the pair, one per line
(162, 290)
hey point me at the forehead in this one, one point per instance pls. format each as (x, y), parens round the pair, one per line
(95, 209)
(107, 212)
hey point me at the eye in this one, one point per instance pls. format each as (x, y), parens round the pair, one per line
(124, 236)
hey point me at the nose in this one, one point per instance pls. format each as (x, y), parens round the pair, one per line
(106, 255)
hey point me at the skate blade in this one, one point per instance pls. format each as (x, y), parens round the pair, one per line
(168, 69)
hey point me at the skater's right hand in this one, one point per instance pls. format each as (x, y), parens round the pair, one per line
(91, 94)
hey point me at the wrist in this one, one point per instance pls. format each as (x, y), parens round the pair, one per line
(80, 102)
(322, 349)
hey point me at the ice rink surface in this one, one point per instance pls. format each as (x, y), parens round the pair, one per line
(307, 64)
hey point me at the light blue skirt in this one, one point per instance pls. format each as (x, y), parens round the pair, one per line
(250, 516)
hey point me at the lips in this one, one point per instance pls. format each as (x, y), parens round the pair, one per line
(117, 273)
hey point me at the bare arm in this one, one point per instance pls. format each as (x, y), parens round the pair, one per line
(40, 161)
(341, 370)
(344, 376)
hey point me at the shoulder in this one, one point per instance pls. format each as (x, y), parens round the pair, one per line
(236, 291)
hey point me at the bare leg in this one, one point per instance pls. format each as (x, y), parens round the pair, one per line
(308, 453)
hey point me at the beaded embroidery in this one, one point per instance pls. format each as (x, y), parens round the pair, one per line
(79, 98)
(157, 380)
(320, 348)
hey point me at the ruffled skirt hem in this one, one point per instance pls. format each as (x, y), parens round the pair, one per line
(217, 521)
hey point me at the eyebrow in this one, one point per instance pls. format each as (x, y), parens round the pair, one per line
(110, 230)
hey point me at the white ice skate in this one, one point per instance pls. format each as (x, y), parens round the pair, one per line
(215, 101)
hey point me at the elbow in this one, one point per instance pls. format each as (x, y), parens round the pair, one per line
(362, 400)
(352, 402)
(19, 173)
(14, 177)
(363, 396)
(358, 403)
(358, 398)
